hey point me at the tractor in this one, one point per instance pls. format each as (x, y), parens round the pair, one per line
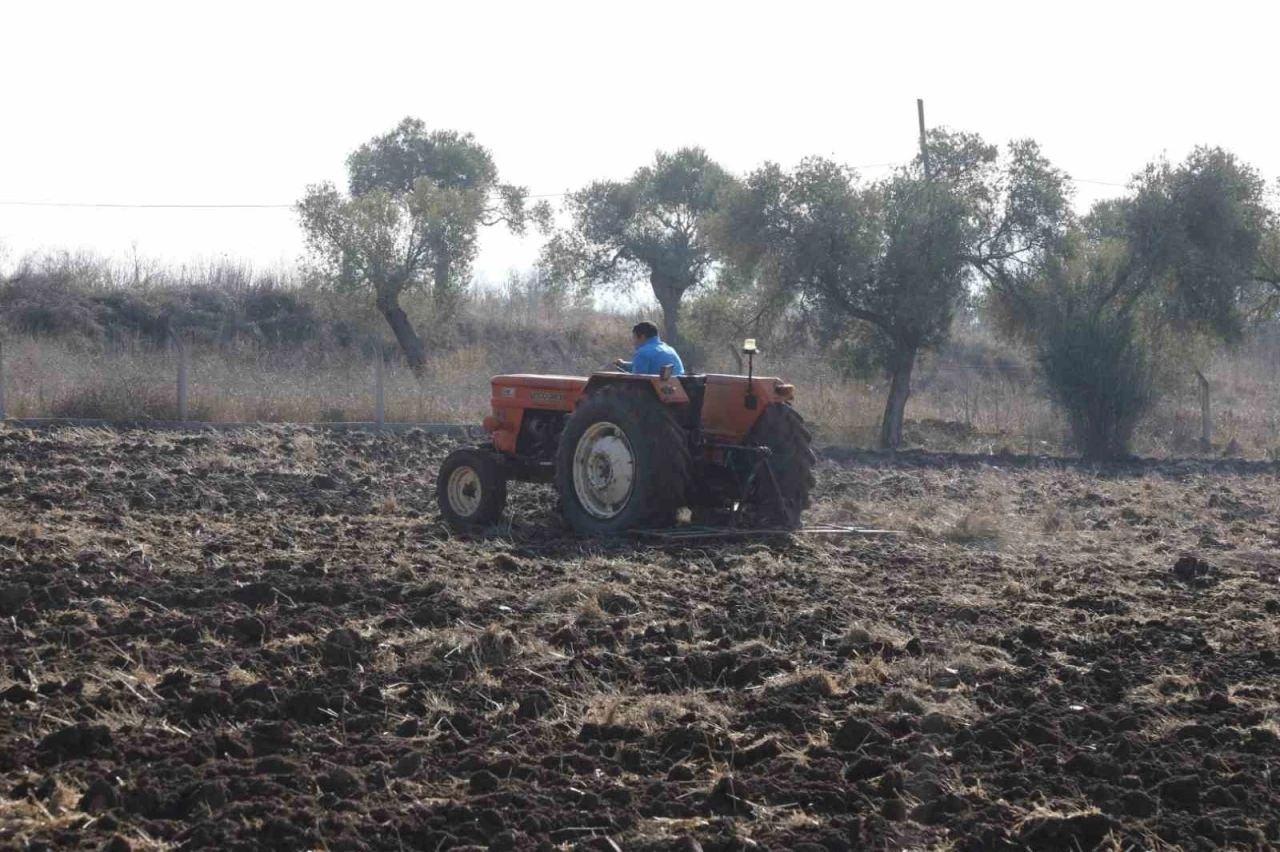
(627, 451)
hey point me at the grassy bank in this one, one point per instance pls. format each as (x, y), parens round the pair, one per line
(94, 341)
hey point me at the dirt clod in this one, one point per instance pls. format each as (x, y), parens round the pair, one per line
(1194, 571)
(408, 765)
(1183, 791)
(249, 628)
(76, 741)
(681, 772)
(856, 733)
(619, 604)
(13, 596)
(1067, 833)
(535, 705)
(343, 648)
(276, 765)
(484, 781)
(99, 796)
(1139, 804)
(506, 562)
(17, 694)
(188, 634)
(210, 794)
(341, 782)
(730, 796)
(505, 841)
(270, 652)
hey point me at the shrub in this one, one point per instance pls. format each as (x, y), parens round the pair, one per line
(281, 316)
(124, 399)
(1100, 374)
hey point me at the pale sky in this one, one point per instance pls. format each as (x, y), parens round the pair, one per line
(246, 103)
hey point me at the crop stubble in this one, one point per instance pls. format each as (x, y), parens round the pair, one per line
(268, 639)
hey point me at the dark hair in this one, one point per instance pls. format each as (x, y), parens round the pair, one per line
(645, 329)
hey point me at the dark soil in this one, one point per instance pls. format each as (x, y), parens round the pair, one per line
(268, 640)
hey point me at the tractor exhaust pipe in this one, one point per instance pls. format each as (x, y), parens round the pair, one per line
(749, 349)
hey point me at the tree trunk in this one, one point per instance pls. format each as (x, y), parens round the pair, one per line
(443, 295)
(410, 343)
(900, 367)
(668, 293)
(671, 321)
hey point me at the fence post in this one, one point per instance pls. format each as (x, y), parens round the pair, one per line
(2, 410)
(183, 351)
(379, 397)
(1206, 415)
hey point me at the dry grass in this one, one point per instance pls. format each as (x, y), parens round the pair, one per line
(808, 681)
(974, 527)
(978, 394)
(20, 819)
(954, 406)
(51, 379)
(651, 712)
(495, 647)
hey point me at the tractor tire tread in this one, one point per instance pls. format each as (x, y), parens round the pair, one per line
(782, 429)
(490, 467)
(668, 455)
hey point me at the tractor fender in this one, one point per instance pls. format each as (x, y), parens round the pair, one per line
(669, 390)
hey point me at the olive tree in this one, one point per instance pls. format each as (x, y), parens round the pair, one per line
(1267, 277)
(879, 266)
(721, 316)
(410, 219)
(651, 227)
(1135, 285)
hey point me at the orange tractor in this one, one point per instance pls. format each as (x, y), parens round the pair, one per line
(630, 451)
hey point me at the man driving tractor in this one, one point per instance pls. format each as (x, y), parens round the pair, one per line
(629, 450)
(651, 353)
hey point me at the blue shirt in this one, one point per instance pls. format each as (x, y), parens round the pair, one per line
(651, 356)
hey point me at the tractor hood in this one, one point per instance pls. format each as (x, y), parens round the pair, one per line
(571, 384)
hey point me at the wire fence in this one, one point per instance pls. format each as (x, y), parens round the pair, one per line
(170, 399)
(45, 382)
(955, 405)
(18, 202)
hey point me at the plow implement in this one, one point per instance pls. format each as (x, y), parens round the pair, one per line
(702, 533)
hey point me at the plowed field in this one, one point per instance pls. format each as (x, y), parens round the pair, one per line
(268, 640)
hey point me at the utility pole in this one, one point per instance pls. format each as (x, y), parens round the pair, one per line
(924, 147)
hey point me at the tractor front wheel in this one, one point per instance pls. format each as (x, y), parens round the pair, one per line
(623, 462)
(471, 489)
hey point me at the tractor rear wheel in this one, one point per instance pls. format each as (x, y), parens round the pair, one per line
(471, 489)
(623, 462)
(782, 430)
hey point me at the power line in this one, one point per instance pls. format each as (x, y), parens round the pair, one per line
(155, 206)
(142, 206)
(1099, 182)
